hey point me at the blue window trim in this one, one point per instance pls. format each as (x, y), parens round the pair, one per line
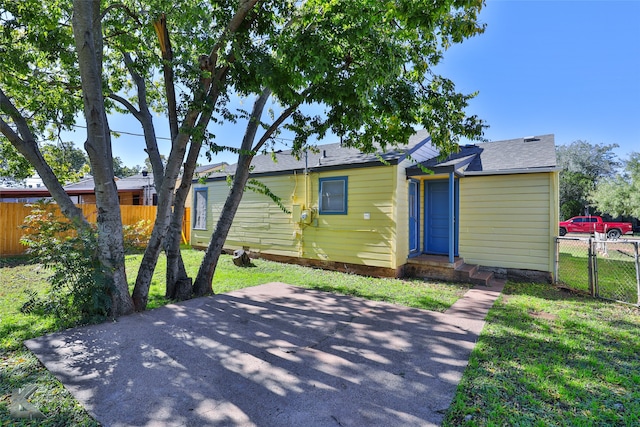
(321, 211)
(197, 190)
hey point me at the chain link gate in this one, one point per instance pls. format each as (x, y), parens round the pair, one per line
(604, 269)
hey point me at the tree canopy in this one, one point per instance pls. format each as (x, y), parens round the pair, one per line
(619, 195)
(120, 170)
(583, 166)
(368, 64)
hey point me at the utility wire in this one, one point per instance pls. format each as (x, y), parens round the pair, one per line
(162, 137)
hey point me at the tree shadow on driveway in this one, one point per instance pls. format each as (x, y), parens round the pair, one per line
(271, 355)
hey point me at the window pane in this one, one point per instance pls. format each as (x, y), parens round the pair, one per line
(333, 195)
(200, 206)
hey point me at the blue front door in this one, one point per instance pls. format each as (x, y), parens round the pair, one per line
(414, 217)
(436, 217)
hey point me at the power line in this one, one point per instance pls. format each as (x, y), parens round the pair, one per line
(163, 137)
(124, 132)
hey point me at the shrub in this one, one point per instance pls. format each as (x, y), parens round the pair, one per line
(136, 236)
(77, 293)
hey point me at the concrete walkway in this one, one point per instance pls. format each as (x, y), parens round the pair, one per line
(271, 355)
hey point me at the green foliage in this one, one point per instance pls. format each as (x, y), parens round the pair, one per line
(12, 164)
(620, 195)
(147, 163)
(574, 187)
(39, 69)
(78, 292)
(69, 164)
(583, 166)
(136, 236)
(368, 63)
(122, 171)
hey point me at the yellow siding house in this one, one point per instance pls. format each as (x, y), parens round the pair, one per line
(494, 205)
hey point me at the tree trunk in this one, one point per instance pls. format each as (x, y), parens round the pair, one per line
(146, 120)
(161, 225)
(87, 32)
(207, 93)
(202, 285)
(176, 272)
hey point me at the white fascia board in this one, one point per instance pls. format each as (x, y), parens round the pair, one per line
(512, 171)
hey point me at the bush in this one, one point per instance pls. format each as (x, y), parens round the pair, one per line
(136, 236)
(78, 291)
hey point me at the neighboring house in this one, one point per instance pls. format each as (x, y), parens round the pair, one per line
(34, 182)
(134, 190)
(137, 189)
(493, 204)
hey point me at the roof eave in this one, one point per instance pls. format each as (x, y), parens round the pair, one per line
(513, 171)
(311, 169)
(455, 167)
(414, 149)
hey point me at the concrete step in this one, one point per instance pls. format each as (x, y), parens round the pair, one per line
(438, 267)
(435, 261)
(481, 278)
(469, 269)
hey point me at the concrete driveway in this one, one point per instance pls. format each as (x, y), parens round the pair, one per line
(271, 355)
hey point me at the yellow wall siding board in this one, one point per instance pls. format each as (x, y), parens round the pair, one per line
(479, 218)
(505, 201)
(346, 238)
(506, 249)
(330, 246)
(519, 241)
(504, 220)
(532, 233)
(262, 226)
(518, 210)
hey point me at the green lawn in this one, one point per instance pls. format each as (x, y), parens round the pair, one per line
(551, 358)
(19, 367)
(616, 270)
(545, 357)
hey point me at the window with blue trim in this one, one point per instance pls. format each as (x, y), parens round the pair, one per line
(333, 195)
(200, 208)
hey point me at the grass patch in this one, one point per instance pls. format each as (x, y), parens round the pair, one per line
(616, 270)
(19, 367)
(436, 296)
(547, 357)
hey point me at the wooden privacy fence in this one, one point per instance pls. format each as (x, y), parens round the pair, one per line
(12, 216)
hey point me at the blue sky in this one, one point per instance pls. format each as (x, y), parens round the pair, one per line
(571, 68)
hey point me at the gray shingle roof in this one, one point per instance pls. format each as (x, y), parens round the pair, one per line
(134, 182)
(528, 154)
(329, 156)
(206, 168)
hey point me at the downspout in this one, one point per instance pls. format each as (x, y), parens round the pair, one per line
(451, 218)
(307, 199)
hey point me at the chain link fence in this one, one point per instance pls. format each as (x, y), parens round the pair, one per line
(604, 269)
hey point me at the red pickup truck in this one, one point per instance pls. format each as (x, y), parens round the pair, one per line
(592, 224)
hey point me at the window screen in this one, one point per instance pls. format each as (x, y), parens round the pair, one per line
(333, 195)
(200, 208)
